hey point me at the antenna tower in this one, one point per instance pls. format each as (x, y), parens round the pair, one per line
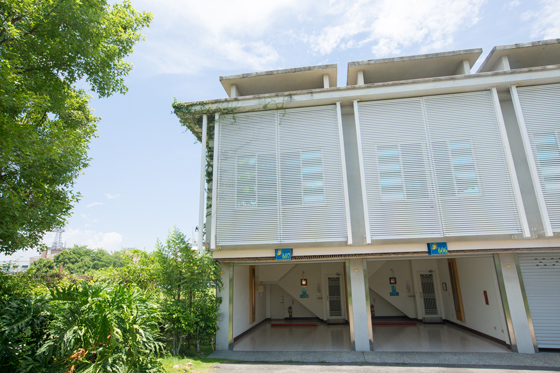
(57, 244)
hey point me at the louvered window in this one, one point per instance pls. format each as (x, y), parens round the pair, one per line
(247, 181)
(256, 180)
(312, 176)
(280, 178)
(435, 166)
(401, 175)
(540, 106)
(455, 168)
(546, 146)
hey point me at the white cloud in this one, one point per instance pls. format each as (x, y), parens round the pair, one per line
(546, 20)
(188, 36)
(90, 220)
(95, 204)
(390, 25)
(112, 196)
(110, 241)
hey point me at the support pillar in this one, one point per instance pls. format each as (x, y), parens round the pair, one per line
(224, 335)
(514, 308)
(358, 308)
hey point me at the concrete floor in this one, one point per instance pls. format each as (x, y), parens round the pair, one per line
(478, 360)
(288, 368)
(419, 338)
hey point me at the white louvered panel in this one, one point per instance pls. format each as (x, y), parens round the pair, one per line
(541, 277)
(280, 177)
(399, 185)
(247, 135)
(311, 186)
(475, 193)
(541, 110)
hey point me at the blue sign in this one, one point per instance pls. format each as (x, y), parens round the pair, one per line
(304, 295)
(437, 248)
(394, 294)
(283, 254)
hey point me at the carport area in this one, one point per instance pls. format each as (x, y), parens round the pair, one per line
(391, 338)
(421, 304)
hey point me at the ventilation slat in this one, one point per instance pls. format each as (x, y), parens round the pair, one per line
(541, 111)
(434, 166)
(280, 178)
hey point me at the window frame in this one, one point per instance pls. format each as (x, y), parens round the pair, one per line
(452, 169)
(279, 178)
(556, 136)
(425, 169)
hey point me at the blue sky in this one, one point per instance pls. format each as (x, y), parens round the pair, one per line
(144, 174)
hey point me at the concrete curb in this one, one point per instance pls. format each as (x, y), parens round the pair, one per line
(539, 361)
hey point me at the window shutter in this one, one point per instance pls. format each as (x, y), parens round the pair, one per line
(541, 110)
(280, 177)
(469, 120)
(247, 210)
(316, 212)
(399, 186)
(435, 166)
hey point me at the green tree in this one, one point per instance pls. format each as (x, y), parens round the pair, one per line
(46, 124)
(188, 281)
(81, 259)
(43, 266)
(135, 267)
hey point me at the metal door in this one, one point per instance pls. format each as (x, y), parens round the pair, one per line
(541, 279)
(428, 294)
(334, 298)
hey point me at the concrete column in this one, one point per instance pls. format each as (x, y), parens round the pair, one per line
(361, 77)
(464, 68)
(224, 335)
(358, 309)
(234, 92)
(326, 83)
(501, 64)
(514, 308)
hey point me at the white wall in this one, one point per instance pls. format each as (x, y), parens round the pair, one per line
(241, 312)
(291, 285)
(273, 273)
(383, 307)
(476, 275)
(379, 283)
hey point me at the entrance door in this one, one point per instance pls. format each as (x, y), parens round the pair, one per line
(334, 297)
(428, 295)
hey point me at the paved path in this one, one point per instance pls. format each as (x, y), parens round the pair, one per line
(288, 368)
(540, 361)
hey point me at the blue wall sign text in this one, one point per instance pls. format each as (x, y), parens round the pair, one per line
(283, 254)
(437, 248)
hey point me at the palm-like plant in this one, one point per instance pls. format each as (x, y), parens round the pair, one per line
(102, 328)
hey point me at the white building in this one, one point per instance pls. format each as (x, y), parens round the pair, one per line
(359, 183)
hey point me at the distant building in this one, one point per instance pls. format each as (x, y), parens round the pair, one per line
(57, 247)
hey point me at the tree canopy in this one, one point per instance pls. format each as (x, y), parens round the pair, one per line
(46, 123)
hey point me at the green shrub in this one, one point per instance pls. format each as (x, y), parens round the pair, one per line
(102, 328)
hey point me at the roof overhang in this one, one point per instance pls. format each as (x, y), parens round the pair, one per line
(388, 90)
(537, 53)
(299, 78)
(411, 67)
